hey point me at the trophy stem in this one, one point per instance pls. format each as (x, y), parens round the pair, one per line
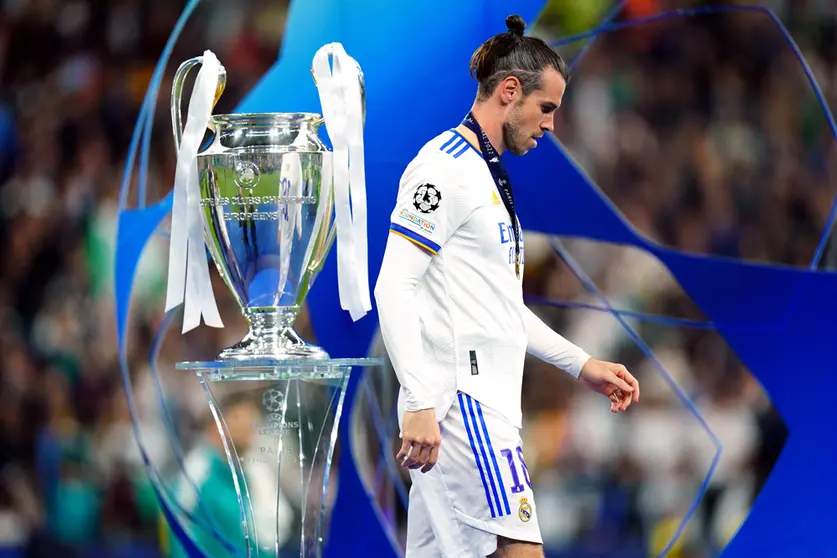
(278, 437)
(272, 336)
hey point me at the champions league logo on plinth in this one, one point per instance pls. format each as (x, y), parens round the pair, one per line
(273, 403)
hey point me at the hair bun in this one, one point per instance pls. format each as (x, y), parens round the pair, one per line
(516, 25)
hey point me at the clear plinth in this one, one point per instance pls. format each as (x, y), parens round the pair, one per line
(278, 421)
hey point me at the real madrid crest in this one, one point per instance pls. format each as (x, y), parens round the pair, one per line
(524, 512)
(427, 198)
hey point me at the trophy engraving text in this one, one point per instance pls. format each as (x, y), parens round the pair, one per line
(275, 428)
(252, 216)
(269, 455)
(267, 211)
(256, 200)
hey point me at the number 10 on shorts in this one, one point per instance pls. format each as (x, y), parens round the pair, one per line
(509, 454)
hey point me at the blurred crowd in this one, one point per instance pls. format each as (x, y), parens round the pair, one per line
(703, 132)
(73, 74)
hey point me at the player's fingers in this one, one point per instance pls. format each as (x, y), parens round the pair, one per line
(635, 384)
(410, 458)
(629, 399)
(621, 385)
(623, 373)
(626, 402)
(618, 404)
(422, 455)
(404, 451)
(614, 401)
(433, 456)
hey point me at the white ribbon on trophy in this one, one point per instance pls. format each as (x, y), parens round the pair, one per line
(188, 274)
(340, 98)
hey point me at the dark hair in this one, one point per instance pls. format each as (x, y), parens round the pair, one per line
(514, 54)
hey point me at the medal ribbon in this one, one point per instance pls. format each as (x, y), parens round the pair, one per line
(501, 179)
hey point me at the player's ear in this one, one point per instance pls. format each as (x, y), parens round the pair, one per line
(510, 90)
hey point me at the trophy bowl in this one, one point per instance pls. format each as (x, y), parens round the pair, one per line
(267, 198)
(267, 210)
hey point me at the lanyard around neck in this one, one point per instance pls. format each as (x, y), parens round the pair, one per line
(501, 179)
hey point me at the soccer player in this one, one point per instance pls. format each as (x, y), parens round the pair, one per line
(453, 321)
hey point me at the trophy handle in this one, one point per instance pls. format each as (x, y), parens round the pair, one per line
(360, 80)
(177, 94)
(319, 259)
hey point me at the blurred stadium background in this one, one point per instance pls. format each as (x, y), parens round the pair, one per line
(702, 131)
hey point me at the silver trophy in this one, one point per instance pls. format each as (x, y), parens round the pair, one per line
(267, 210)
(268, 217)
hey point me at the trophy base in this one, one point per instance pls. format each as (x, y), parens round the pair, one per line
(272, 337)
(287, 345)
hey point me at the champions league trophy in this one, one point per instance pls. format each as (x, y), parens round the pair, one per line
(268, 199)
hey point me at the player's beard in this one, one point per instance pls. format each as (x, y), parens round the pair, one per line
(512, 137)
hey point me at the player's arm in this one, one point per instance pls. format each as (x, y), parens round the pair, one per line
(551, 347)
(608, 378)
(403, 266)
(428, 211)
(430, 206)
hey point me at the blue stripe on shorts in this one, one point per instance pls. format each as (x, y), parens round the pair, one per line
(495, 502)
(476, 455)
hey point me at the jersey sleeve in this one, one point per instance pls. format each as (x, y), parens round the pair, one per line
(402, 268)
(551, 347)
(432, 203)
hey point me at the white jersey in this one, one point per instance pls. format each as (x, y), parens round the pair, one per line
(457, 331)
(470, 301)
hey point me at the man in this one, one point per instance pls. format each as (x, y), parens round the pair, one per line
(454, 323)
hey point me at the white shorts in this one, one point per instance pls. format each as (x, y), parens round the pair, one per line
(479, 488)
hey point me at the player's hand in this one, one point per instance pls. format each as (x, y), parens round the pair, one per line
(613, 381)
(420, 440)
